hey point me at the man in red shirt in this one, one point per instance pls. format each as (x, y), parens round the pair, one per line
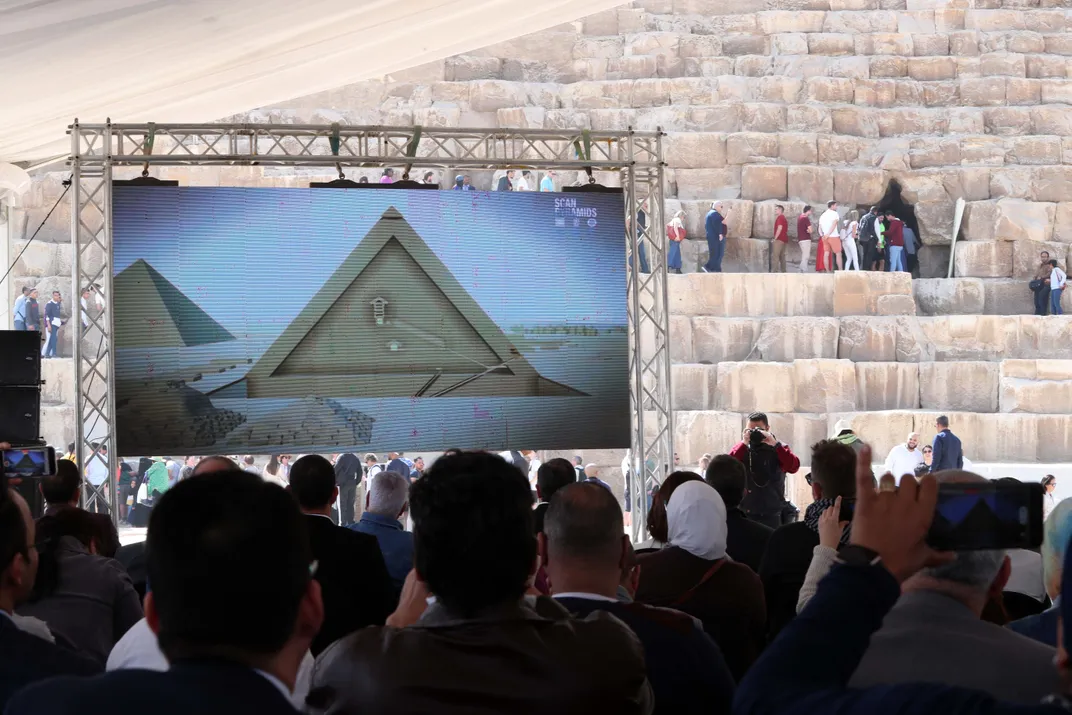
(895, 241)
(767, 461)
(804, 231)
(781, 240)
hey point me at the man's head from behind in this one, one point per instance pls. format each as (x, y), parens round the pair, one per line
(229, 564)
(211, 465)
(1056, 535)
(18, 555)
(312, 482)
(973, 576)
(552, 476)
(473, 532)
(833, 470)
(583, 544)
(941, 423)
(62, 487)
(728, 476)
(388, 495)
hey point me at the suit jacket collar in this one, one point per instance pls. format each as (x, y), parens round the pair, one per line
(526, 609)
(381, 520)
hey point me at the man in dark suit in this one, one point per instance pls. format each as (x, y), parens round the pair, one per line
(746, 539)
(584, 549)
(946, 451)
(347, 475)
(353, 578)
(233, 606)
(24, 658)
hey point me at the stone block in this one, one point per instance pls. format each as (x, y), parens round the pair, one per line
(718, 340)
(1052, 183)
(1056, 91)
(1033, 150)
(724, 183)
(57, 423)
(779, 89)
(750, 295)
(867, 340)
(698, 46)
(1012, 181)
(751, 148)
(1026, 258)
(1007, 297)
(492, 95)
(1019, 220)
(695, 150)
(969, 386)
(1062, 225)
(779, 21)
(1020, 91)
(859, 186)
(887, 386)
(834, 149)
(935, 219)
(743, 385)
(948, 296)
(929, 69)
(798, 148)
(690, 386)
(983, 259)
(746, 255)
(59, 379)
(830, 43)
(763, 214)
(699, 432)
(875, 93)
(829, 90)
(788, 339)
(762, 117)
(824, 385)
(868, 293)
(789, 43)
(988, 151)
(934, 152)
(734, 45)
(1054, 437)
(888, 67)
(810, 184)
(1042, 66)
(808, 118)
(881, 430)
(930, 45)
(763, 182)
(933, 261)
(1035, 394)
(753, 66)
(1002, 64)
(800, 431)
(1007, 121)
(680, 337)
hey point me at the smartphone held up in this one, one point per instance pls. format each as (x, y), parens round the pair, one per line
(1001, 514)
(29, 462)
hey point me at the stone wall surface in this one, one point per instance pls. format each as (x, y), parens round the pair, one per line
(780, 102)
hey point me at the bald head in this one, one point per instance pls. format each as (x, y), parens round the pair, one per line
(211, 465)
(584, 522)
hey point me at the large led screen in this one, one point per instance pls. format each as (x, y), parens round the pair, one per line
(314, 320)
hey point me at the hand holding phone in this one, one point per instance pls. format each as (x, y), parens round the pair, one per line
(1002, 514)
(23, 463)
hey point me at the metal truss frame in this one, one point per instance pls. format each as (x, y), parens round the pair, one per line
(637, 156)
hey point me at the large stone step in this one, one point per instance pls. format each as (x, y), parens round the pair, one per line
(821, 385)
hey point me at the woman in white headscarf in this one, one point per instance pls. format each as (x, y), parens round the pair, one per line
(693, 574)
(675, 234)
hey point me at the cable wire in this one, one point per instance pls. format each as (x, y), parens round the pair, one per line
(66, 188)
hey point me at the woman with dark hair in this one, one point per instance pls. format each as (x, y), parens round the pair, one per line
(273, 472)
(657, 513)
(928, 456)
(83, 597)
(1049, 485)
(125, 480)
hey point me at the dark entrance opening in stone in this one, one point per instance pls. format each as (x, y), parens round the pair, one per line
(893, 202)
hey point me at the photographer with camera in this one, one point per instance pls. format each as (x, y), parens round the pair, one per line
(767, 461)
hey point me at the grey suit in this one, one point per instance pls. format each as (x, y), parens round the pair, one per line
(929, 637)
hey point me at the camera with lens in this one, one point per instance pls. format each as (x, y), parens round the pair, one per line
(755, 437)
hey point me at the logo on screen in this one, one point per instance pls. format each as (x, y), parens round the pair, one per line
(567, 208)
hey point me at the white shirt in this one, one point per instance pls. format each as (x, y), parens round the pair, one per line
(1057, 279)
(85, 319)
(522, 184)
(138, 649)
(902, 461)
(828, 223)
(1025, 575)
(96, 471)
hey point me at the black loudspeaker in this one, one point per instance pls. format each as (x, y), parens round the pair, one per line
(20, 358)
(20, 414)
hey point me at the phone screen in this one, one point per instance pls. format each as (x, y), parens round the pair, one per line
(39, 462)
(994, 515)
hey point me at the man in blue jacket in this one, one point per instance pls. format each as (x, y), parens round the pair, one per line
(947, 452)
(53, 322)
(715, 227)
(807, 669)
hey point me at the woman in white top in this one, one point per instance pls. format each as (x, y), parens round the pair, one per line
(850, 229)
(273, 472)
(1057, 287)
(1049, 484)
(675, 232)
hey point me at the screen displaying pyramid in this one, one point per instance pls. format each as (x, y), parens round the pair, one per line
(304, 320)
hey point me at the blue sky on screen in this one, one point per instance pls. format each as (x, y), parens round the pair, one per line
(253, 257)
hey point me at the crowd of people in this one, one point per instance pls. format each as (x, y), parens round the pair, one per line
(511, 595)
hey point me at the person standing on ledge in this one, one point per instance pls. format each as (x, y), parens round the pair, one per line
(781, 240)
(804, 231)
(947, 450)
(1058, 278)
(715, 226)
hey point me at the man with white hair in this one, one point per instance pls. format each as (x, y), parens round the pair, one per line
(934, 633)
(904, 458)
(715, 227)
(385, 503)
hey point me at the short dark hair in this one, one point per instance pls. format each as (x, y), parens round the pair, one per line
(76, 523)
(584, 522)
(759, 417)
(1053, 262)
(657, 526)
(312, 481)
(943, 421)
(62, 486)
(806, 209)
(26, 290)
(1048, 480)
(473, 536)
(729, 477)
(874, 209)
(779, 207)
(70, 447)
(833, 467)
(553, 475)
(830, 204)
(228, 560)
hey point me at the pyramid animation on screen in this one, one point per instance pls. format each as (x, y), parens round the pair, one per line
(393, 321)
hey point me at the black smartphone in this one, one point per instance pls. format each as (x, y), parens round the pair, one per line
(848, 506)
(36, 462)
(992, 515)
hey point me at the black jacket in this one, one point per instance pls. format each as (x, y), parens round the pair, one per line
(746, 540)
(26, 659)
(202, 687)
(947, 452)
(353, 579)
(347, 470)
(784, 566)
(685, 667)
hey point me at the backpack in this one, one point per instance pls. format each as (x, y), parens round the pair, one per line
(867, 228)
